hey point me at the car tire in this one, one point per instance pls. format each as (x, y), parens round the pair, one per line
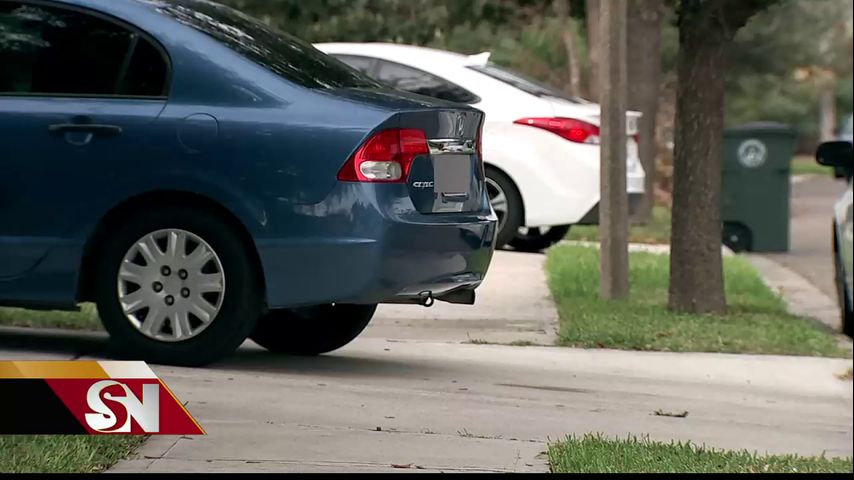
(507, 203)
(848, 318)
(737, 237)
(312, 331)
(535, 240)
(232, 311)
(845, 303)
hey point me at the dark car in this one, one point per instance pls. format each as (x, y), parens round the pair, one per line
(202, 178)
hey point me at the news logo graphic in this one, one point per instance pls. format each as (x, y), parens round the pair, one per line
(94, 398)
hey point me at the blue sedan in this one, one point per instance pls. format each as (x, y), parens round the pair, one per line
(204, 178)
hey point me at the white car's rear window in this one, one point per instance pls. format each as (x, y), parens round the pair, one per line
(523, 83)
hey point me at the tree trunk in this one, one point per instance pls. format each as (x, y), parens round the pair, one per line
(644, 72)
(827, 112)
(706, 30)
(614, 205)
(696, 266)
(592, 7)
(562, 9)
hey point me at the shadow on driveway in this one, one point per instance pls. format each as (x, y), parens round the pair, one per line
(34, 341)
(338, 364)
(30, 343)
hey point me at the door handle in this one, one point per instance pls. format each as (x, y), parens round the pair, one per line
(95, 129)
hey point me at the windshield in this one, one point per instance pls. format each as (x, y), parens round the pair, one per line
(523, 83)
(283, 54)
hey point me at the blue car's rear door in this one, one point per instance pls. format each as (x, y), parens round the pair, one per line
(79, 98)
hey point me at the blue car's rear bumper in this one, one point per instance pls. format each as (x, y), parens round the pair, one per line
(366, 244)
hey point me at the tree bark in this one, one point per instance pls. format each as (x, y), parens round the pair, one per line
(593, 48)
(706, 30)
(562, 9)
(696, 266)
(614, 204)
(644, 72)
(827, 112)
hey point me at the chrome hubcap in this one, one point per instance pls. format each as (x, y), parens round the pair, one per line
(171, 285)
(498, 200)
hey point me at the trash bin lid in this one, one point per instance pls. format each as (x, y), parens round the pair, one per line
(761, 128)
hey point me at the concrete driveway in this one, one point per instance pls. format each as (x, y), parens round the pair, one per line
(380, 405)
(419, 392)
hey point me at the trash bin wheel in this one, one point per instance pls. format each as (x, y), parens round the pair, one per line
(737, 237)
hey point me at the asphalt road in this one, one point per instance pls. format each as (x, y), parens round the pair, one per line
(812, 242)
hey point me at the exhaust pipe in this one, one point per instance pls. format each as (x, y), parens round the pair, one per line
(426, 299)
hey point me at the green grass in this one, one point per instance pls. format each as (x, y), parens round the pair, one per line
(756, 323)
(85, 319)
(806, 165)
(597, 454)
(60, 453)
(657, 231)
(63, 453)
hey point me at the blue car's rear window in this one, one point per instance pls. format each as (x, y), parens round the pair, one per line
(286, 55)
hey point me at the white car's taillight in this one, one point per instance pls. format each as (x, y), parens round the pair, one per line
(577, 131)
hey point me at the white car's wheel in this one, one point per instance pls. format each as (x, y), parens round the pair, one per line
(507, 203)
(537, 239)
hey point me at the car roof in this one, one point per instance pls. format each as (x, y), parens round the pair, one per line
(407, 54)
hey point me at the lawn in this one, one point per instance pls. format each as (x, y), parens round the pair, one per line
(60, 453)
(63, 453)
(597, 454)
(806, 165)
(756, 323)
(85, 319)
(657, 231)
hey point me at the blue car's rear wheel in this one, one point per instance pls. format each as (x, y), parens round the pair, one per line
(176, 286)
(312, 330)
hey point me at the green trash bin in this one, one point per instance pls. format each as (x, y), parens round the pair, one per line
(756, 189)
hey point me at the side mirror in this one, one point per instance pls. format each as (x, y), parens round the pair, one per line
(835, 154)
(838, 155)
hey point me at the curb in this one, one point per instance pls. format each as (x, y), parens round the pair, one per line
(658, 249)
(802, 297)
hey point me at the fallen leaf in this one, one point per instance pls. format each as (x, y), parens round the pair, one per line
(662, 413)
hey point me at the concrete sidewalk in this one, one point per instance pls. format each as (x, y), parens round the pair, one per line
(513, 305)
(451, 407)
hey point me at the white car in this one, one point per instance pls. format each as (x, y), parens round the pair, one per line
(541, 147)
(838, 154)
